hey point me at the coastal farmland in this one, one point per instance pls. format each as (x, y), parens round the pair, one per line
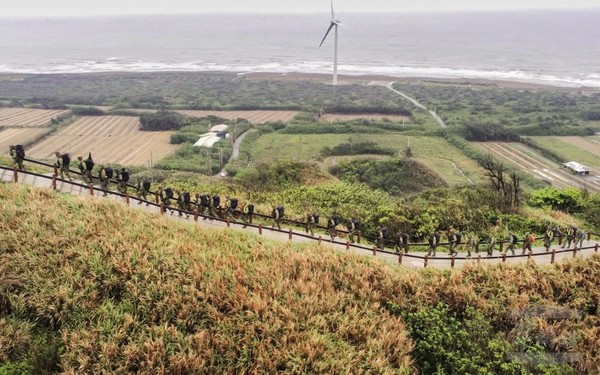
(434, 152)
(110, 139)
(538, 166)
(28, 117)
(19, 136)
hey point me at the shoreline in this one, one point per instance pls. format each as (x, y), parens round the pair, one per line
(326, 78)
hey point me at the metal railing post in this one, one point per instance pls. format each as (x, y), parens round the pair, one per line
(575, 251)
(503, 255)
(92, 190)
(553, 257)
(127, 198)
(290, 234)
(320, 239)
(374, 250)
(452, 261)
(228, 222)
(529, 257)
(400, 255)
(359, 237)
(425, 260)
(196, 215)
(15, 175)
(162, 208)
(347, 245)
(260, 229)
(54, 182)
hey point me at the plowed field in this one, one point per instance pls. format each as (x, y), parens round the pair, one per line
(538, 166)
(254, 117)
(27, 118)
(366, 116)
(19, 136)
(111, 139)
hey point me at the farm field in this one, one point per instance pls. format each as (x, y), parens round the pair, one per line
(27, 117)
(535, 164)
(19, 136)
(367, 116)
(437, 154)
(572, 149)
(111, 139)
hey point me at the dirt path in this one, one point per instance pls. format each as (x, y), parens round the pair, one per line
(413, 259)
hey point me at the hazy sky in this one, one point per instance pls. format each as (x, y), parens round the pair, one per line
(24, 8)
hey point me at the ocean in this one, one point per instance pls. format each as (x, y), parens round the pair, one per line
(560, 48)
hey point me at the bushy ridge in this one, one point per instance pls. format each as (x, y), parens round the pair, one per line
(134, 293)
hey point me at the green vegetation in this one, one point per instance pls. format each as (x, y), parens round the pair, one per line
(162, 120)
(226, 91)
(358, 148)
(507, 111)
(203, 160)
(393, 176)
(87, 111)
(138, 293)
(559, 151)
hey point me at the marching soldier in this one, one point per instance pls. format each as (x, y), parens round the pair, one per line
(17, 153)
(62, 164)
(512, 241)
(311, 222)
(142, 190)
(571, 231)
(353, 228)
(83, 170)
(247, 213)
(401, 242)
(527, 241)
(103, 179)
(548, 237)
(434, 241)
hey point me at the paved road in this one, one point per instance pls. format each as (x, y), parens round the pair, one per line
(236, 145)
(389, 85)
(413, 259)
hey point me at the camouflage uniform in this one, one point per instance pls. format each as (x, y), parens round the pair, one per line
(353, 229)
(277, 218)
(83, 170)
(472, 244)
(527, 243)
(62, 168)
(434, 241)
(247, 213)
(571, 230)
(141, 192)
(17, 161)
(121, 182)
(453, 240)
(401, 243)
(331, 226)
(103, 180)
(512, 241)
(548, 237)
(382, 236)
(580, 237)
(310, 224)
(183, 203)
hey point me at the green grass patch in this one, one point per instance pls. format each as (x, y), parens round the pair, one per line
(568, 151)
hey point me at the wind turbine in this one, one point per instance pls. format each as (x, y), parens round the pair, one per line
(334, 23)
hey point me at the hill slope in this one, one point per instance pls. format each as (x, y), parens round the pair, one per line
(88, 286)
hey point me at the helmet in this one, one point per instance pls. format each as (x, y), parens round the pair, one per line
(57, 153)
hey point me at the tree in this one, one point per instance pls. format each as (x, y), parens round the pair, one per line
(506, 185)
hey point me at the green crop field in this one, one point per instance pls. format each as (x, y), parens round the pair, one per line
(435, 152)
(568, 151)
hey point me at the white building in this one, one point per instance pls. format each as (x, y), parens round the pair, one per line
(216, 133)
(577, 168)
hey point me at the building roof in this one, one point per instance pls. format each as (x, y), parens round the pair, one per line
(219, 128)
(207, 140)
(577, 167)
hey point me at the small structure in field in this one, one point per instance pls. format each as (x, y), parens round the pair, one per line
(216, 133)
(577, 168)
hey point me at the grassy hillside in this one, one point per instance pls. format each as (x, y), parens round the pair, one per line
(88, 286)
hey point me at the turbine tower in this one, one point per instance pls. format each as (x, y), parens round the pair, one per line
(334, 23)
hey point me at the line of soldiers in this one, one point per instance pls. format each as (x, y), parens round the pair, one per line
(207, 205)
(211, 206)
(572, 235)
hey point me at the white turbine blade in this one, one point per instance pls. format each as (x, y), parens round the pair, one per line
(331, 25)
(332, 12)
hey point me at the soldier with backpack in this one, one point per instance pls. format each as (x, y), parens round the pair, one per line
(527, 242)
(512, 241)
(89, 166)
(571, 231)
(548, 237)
(203, 204)
(454, 238)
(401, 243)
(247, 213)
(215, 206)
(332, 223)
(231, 207)
(277, 214)
(103, 176)
(472, 244)
(17, 154)
(122, 179)
(82, 170)
(353, 228)
(580, 237)
(382, 235)
(311, 222)
(62, 165)
(142, 189)
(434, 241)
(184, 203)
(165, 196)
